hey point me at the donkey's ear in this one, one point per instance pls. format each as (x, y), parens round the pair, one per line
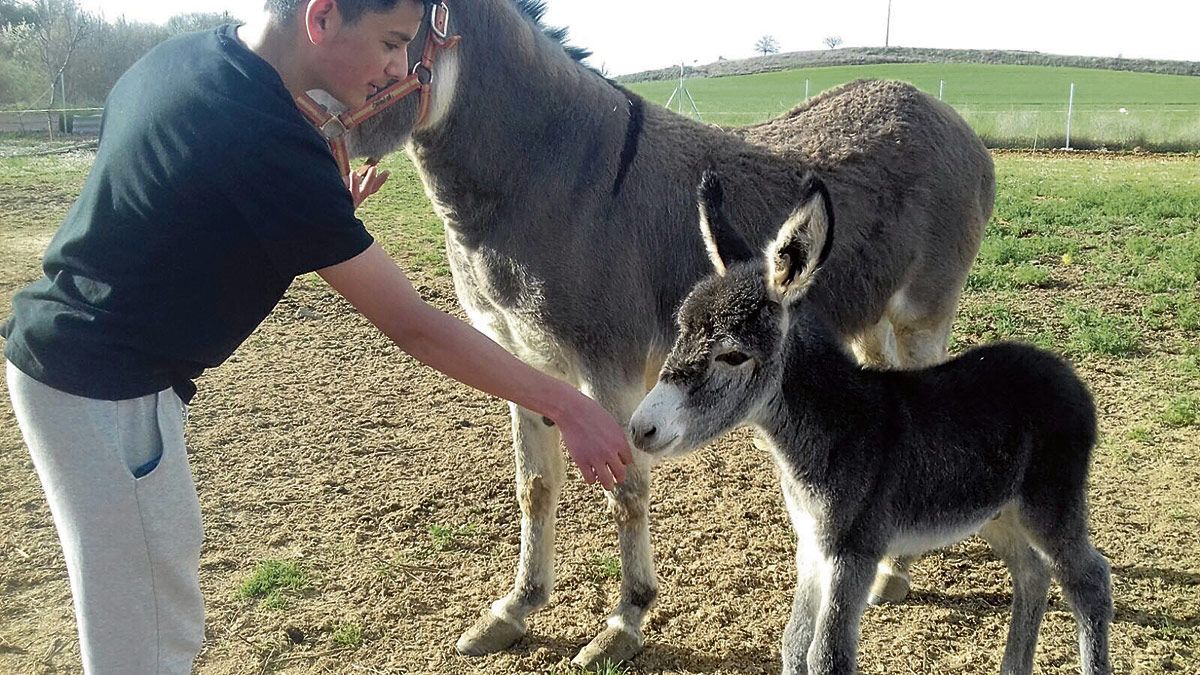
(803, 243)
(725, 246)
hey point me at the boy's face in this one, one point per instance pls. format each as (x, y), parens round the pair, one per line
(356, 60)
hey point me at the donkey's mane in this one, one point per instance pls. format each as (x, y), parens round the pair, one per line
(534, 10)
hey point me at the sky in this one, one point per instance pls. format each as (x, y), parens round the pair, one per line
(632, 35)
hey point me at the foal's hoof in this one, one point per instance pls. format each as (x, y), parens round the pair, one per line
(611, 646)
(889, 589)
(489, 635)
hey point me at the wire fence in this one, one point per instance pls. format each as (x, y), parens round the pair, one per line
(52, 122)
(1039, 127)
(1009, 113)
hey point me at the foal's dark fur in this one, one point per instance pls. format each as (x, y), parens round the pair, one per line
(875, 463)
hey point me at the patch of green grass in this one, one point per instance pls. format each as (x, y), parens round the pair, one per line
(990, 321)
(348, 635)
(274, 600)
(606, 566)
(1006, 250)
(1092, 331)
(1187, 312)
(1007, 277)
(1140, 434)
(403, 222)
(1031, 277)
(449, 538)
(1181, 515)
(271, 580)
(1156, 311)
(1182, 410)
(605, 668)
(1187, 365)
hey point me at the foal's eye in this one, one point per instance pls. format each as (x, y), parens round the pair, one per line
(733, 358)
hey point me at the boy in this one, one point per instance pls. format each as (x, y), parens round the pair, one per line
(210, 192)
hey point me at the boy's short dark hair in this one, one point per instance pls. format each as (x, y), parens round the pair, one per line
(351, 10)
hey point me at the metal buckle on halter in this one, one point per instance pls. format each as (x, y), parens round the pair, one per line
(333, 128)
(423, 73)
(439, 19)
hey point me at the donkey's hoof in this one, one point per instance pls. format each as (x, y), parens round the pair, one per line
(489, 635)
(611, 646)
(889, 589)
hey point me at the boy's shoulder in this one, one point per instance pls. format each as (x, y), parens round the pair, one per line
(208, 81)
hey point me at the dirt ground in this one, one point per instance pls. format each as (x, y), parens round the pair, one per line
(320, 443)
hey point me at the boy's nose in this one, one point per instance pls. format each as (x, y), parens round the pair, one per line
(397, 67)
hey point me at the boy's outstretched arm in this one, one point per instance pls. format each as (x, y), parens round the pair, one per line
(378, 288)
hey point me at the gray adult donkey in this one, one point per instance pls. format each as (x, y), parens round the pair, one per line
(570, 231)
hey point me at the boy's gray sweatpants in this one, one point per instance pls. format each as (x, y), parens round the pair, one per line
(132, 545)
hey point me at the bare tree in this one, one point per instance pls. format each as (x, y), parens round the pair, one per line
(833, 41)
(61, 27)
(766, 45)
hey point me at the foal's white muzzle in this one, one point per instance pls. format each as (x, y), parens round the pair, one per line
(655, 425)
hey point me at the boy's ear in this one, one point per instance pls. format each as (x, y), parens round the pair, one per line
(803, 243)
(320, 18)
(724, 244)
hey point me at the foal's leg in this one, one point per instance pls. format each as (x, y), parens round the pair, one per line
(540, 470)
(1031, 580)
(1084, 575)
(801, 625)
(847, 580)
(622, 637)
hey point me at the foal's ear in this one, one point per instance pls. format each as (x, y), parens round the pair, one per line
(725, 245)
(803, 243)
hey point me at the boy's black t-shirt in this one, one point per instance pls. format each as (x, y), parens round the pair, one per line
(210, 192)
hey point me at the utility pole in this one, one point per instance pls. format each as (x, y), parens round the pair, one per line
(887, 34)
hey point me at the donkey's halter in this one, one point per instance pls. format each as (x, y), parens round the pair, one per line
(334, 127)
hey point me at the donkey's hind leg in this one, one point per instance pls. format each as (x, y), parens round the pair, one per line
(540, 470)
(1031, 581)
(629, 502)
(876, 345)
(922, 338)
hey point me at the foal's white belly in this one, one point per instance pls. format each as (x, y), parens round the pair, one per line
(916, 541)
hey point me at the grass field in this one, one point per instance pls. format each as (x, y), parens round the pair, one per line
(359, 511)
(1010, 106)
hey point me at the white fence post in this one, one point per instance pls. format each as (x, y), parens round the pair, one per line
(1070, 109)
(805, 90)
(941, 88)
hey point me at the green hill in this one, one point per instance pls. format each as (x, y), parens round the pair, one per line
(859, 56)
(1009, 105)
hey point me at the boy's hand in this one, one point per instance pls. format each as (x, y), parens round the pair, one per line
(365, 181)
(595, 442)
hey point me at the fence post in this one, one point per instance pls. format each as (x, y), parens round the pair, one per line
(941, 88)
(805, 90)
(1070, 109)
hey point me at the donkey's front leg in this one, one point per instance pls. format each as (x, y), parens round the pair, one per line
(847, 578)
(540, 470)
(622, 637)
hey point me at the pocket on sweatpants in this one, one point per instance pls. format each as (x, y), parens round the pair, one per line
(139, 437)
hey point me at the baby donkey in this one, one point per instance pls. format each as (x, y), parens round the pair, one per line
(873, 463)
